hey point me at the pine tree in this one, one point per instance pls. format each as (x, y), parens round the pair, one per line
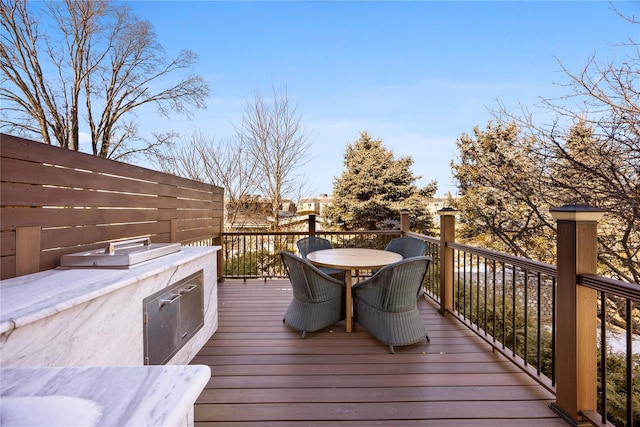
(375, 187)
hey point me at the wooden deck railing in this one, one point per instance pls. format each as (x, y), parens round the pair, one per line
(250, 255)
(545, 318)
(617, 294)
(509, 302)
(526, 310)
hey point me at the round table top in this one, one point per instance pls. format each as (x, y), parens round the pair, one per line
(353, 258)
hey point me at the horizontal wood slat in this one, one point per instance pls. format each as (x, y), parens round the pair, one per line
(67, 237)
(13, 218)
(40, 174)
(28, 195)
(80, 201)
(19, 148)
(263, 373)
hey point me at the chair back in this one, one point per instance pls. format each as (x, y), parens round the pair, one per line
(399, 283)
(407, 246)
(308, 283)
(311, 244)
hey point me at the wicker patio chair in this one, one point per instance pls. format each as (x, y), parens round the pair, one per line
(407, 246)
(318, 299)
(386, 303)
(311, 244)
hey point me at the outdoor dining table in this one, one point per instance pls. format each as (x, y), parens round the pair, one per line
(350, 259)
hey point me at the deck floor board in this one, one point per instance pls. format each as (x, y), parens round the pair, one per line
(264, 374)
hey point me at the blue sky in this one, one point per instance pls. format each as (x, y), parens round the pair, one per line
(415, 74)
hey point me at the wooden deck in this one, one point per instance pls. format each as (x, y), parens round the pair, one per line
(264, 374)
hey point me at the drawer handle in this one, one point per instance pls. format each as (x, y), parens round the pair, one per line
(174, 297)
(187, 290)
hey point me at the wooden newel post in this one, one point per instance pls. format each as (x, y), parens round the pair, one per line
(576, 311)
(404, 221)
(447, 234)
(312, 224)
(218, 241)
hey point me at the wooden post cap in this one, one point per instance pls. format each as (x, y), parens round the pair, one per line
(447, 211)
(577, 213)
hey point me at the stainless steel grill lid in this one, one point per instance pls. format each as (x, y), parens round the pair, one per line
(120, 254)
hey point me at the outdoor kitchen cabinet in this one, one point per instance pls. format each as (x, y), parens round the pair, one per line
(94, 316)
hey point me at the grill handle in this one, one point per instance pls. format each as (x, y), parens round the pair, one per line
(112, 246)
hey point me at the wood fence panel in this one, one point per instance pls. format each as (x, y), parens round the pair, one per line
(80, 202)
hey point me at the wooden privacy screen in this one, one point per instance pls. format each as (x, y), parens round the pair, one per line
(56, 201)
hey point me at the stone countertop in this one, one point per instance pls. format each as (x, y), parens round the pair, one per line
(32, 297)
(100, 396)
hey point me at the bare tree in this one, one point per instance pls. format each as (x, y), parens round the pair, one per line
(224, 163)
(272, 133)
(99, 63)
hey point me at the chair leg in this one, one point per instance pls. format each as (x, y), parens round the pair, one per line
(304, 334)
(391, 349)
(428, 340)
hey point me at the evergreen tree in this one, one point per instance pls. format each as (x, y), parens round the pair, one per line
(503, 199)
(510, 175)
(375, 187)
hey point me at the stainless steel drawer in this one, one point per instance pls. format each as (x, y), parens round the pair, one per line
(171, 318)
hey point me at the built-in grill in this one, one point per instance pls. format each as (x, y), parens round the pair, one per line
(123, 254)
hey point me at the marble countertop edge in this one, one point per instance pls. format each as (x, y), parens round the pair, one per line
(183, 403)
(127, 396)
(76, 291)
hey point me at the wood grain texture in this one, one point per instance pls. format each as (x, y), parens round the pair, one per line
(79, 202)
(263, 373)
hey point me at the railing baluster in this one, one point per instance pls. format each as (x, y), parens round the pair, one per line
(504, 305)
(493, 333)
(539, 324)
(514, 337)
(526, 317)
(629, 363)
(464, 281)
(603, 357)
(553, 331)
(486, 284)
(458, 299)
(477, 291)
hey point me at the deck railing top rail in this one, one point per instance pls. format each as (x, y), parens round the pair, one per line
(612, 286)
(529, 264)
